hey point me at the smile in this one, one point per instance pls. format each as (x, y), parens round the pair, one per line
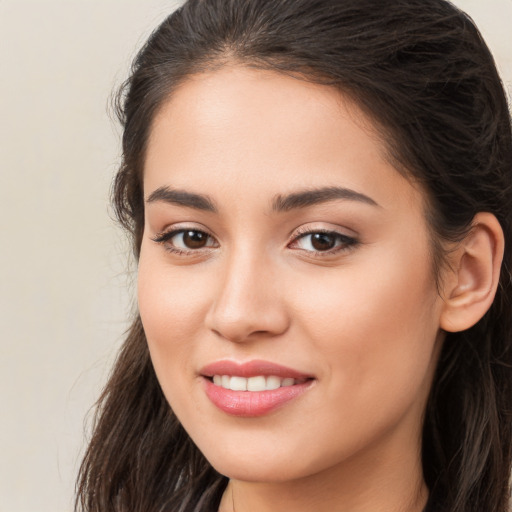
(258, 383)
(252, 389)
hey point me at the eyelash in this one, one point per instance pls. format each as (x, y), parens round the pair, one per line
(163, 238)
(345, 242)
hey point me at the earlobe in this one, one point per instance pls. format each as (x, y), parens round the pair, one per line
(476, 265)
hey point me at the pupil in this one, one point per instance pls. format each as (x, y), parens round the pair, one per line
(323, 241)
(194, 239)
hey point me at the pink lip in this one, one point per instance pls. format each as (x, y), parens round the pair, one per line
(252, 403)
(251, 369)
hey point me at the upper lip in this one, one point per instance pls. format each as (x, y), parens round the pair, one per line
(251, 369)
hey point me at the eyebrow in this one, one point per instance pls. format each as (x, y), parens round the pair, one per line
(182, 198)
(281, 203)
(305, 198)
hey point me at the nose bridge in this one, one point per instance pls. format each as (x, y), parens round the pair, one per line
(246, 299)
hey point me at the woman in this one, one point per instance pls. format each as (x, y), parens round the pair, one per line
(319, 198)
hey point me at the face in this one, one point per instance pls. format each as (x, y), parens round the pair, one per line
(285, 283)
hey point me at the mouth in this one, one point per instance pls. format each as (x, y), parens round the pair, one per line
(254, 388)
(254, 384)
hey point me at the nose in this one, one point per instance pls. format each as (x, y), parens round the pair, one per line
(247, 302)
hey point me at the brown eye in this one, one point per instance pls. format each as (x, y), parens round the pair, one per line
(183, 240)
(323, 241)
(194, 239)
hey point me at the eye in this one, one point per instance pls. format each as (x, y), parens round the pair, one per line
(185, 240)
(323, 242)
(190, 239)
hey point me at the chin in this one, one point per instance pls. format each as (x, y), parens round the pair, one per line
(264, 473)
(266, 460)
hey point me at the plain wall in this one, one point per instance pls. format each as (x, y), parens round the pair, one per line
(66, 288)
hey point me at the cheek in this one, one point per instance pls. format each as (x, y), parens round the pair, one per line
(172, 305)
(376, 324)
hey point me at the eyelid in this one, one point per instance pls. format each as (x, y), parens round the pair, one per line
(164, 236)
(167, 235)
(180, 227)
(349, 241)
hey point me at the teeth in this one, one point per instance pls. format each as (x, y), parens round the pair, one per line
(259, 383)
(273, 382)
(256, 383)
(238, 384)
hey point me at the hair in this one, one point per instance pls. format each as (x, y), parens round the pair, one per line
(422, 71)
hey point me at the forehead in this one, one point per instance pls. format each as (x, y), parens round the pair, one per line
(269, 131)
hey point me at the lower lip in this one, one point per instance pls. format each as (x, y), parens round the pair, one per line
(253, 403)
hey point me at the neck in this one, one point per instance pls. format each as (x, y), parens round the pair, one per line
(387, 481)
(301, 497)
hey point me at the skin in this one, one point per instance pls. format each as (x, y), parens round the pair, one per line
(364, 321)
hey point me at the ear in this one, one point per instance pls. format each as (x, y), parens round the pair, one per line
(469, 291)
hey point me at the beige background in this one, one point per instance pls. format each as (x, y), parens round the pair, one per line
(65, 284)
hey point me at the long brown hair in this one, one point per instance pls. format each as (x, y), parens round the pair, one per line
(422, 71)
